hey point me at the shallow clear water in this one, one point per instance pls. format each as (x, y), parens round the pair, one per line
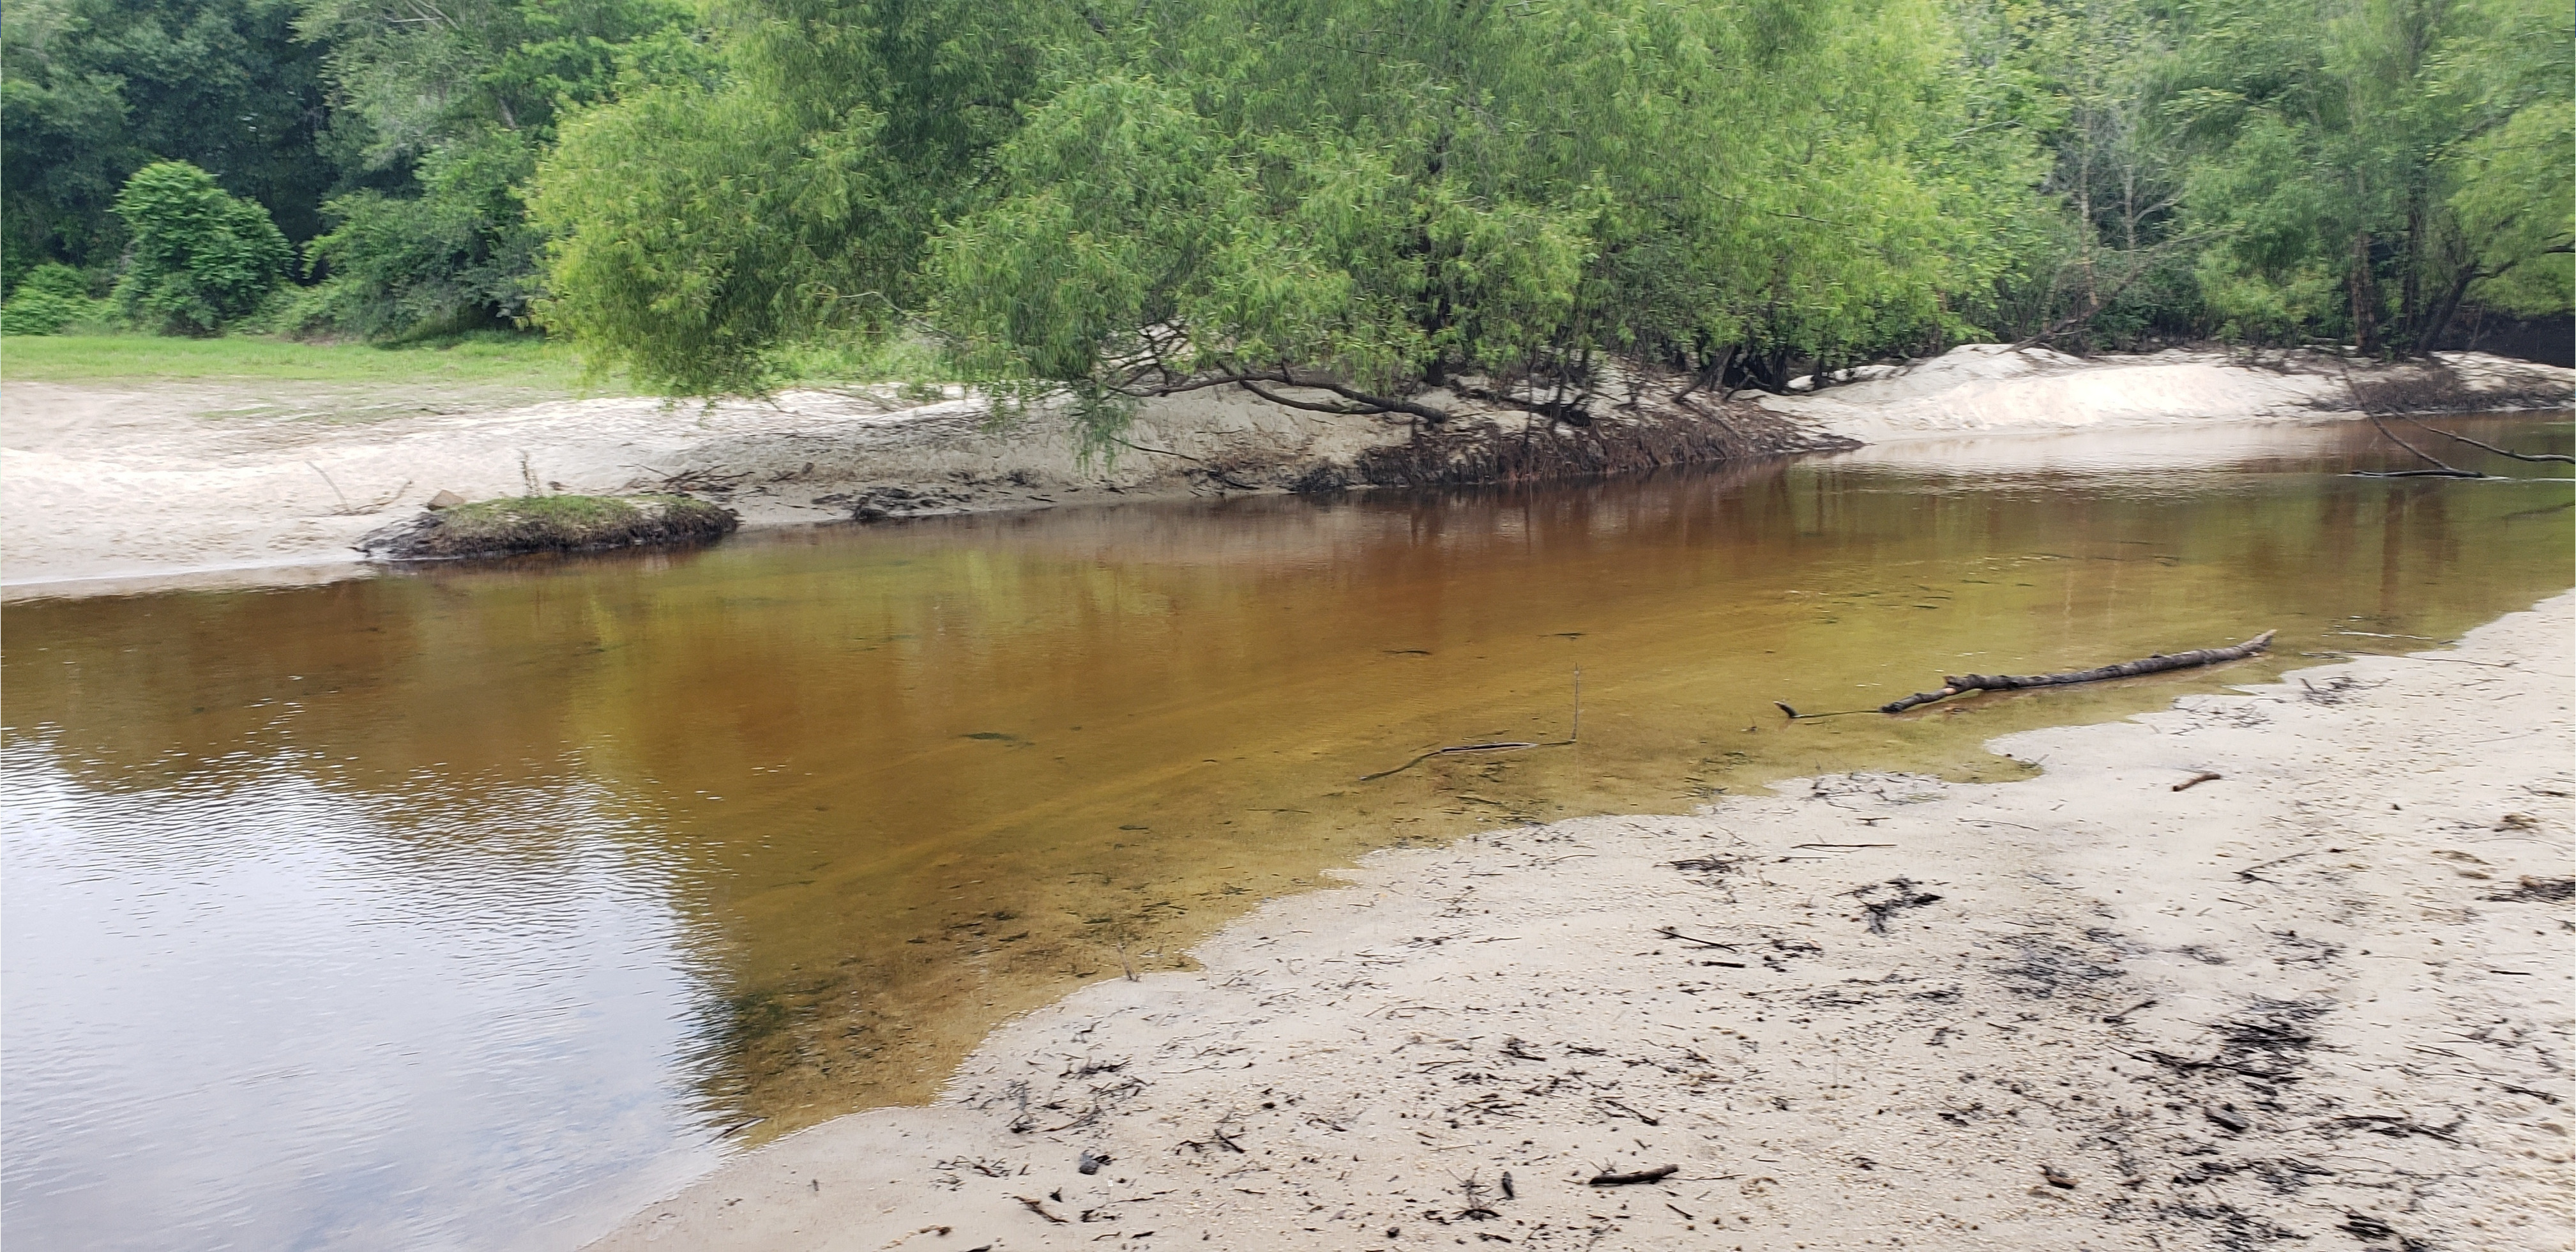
(471, 907)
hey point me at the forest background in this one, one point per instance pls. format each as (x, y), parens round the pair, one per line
(1339, 203)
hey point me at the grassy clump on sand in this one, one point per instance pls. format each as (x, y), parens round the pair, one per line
(553, 524)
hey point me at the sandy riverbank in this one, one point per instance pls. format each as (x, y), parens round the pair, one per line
(1996, 389)
(2323, 998)
(111, 488)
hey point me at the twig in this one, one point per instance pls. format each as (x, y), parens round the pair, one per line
(345, 510)
(1160, 451)
(2196, 780)
(1904, 897)
(1678, 937)
(1464, 747)
(389, 497)
(2446, 660)
(1039, 1209)
(2248, 873)
(1211, 471)
(1796, 716)
(1607, 1178)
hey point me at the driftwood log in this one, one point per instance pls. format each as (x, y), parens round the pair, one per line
(2156, 664)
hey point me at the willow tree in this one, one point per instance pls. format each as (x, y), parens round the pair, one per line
(703, 221)
(1339, 204)
(1351, 204)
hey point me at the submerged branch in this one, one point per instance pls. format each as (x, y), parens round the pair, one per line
(2519, 456)
(2441, 468)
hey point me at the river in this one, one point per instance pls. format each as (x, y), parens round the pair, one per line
(471, 907)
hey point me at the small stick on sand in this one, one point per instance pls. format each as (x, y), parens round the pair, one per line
(345, 508)
(1678, 937)
(1039, 1209)
(1659, 1173)
(2196, 780)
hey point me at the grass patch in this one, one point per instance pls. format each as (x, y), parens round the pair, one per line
(468, 358)
(551, 524)
(483, 357)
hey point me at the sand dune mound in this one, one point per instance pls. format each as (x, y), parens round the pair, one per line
(1996, 388)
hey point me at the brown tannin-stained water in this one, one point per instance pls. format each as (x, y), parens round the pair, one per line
(470, 907)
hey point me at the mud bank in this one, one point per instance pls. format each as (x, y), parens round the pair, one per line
(111, 489)
(2319, 994)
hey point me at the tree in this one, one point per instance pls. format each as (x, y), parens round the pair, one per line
(2370, 162)
(199, 256)
(1340, 204)
(703, 221)
(451, 105)
(93, 90)
(1346, 204)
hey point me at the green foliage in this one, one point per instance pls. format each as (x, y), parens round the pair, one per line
(413, 80)
(674, 215)
(1350, 204)
(1379, 196)
(93, 90)
(2109, 266)
(1370, 197)
(464, 98)
(2367, 164)
(459, 252)
(699, 227)
(2512, 205)
(199, 256)
(50, 299)
(2508, 179)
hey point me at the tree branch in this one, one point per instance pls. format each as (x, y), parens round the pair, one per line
(2519, 456)
(1250, 380)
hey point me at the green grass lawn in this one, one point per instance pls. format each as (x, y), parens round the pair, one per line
(521, 361)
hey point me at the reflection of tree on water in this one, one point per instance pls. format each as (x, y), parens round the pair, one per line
(905, 782)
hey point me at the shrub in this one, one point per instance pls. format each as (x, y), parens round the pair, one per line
(200, 256)
(458, 255)
(49, 299)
